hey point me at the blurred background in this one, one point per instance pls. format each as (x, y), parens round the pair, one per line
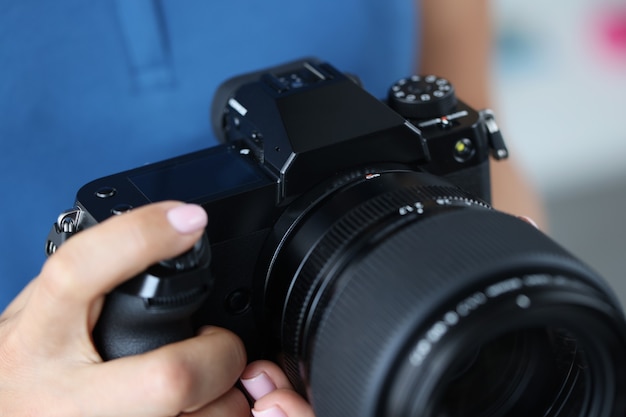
(561, 98)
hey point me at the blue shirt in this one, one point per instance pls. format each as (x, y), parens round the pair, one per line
(88, 89)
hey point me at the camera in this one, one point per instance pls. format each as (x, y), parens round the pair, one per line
(351, 239)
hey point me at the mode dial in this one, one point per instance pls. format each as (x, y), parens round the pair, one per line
(422, 97)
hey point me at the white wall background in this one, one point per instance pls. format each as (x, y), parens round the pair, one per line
(561, 89)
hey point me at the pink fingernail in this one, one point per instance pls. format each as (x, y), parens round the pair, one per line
(187, 218)
(529, 221)
(259, 386)
(270, 412)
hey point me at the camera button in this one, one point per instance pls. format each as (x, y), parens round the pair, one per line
(239, 301)
(464, 150)
(121, 208)
(106, 192)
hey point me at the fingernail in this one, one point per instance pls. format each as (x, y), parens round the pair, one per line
(259, 386)
(187, 218)
(529, 221)
(270, 412)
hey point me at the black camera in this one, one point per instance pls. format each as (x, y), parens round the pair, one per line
(351, 240)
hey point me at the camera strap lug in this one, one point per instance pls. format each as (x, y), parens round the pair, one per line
(496, 141)
(66, 225)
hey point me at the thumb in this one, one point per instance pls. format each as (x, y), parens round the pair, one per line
(93, 262)
(274, 395)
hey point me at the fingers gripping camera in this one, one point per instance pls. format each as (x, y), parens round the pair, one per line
(352, 241)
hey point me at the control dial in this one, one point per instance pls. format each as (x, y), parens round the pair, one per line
(192, 258)
(422, 97)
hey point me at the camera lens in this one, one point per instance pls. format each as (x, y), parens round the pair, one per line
(528, 371)
(538, 372)
(397, 294)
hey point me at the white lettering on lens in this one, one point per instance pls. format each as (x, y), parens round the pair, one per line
(535, 280)
(404, 210)
(451, 318)
(470, 304)
(420, 352)
(436, 332)
(503, 287)
(417, 207)
(523, 301)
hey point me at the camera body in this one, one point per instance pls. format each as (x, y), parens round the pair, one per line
(351, 240)
(292, 133)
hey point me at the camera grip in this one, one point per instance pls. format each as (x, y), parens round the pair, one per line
(156, 307)
(129, 326)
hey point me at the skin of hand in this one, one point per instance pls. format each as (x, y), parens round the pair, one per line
(274, 396)
(457, 44)
(48, 364)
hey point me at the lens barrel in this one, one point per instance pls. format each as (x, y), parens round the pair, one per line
(398, 294)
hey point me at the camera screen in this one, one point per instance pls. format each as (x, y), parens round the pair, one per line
(210, 174)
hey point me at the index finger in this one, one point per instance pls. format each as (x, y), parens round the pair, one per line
(182, 376)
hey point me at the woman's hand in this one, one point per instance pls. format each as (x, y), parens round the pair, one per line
(48, 363)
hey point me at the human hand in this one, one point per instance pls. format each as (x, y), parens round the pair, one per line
(273, 394)
(48, 364)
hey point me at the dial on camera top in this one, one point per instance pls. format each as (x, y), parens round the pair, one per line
(422, 97)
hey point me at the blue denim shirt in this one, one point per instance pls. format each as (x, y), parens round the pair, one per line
(91, 88)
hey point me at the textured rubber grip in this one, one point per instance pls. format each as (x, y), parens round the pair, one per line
(129, 325)
(155, 308)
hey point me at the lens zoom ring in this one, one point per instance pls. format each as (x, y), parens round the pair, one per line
(344, 236)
